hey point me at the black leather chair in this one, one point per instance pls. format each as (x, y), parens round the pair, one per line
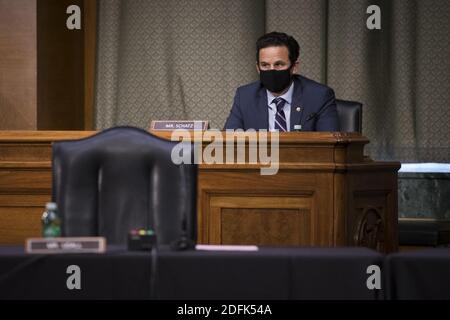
(350, 115)
(123, 178)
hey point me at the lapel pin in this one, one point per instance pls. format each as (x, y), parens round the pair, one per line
(298, 109)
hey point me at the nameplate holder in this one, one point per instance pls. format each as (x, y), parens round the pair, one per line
(65, 245)
(170, 125)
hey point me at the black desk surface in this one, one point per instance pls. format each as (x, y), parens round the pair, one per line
(270, 273)
(422, 274)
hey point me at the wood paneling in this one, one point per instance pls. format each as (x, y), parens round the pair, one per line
(264, 219)
(25, 152)
(23, 194)
(264, 226)
(60, 68)
(24, 200)
(320, 199)
(375, 190)
(17, 180)
(19, 223)
(18, 65)
(47, 72)
(25, 180)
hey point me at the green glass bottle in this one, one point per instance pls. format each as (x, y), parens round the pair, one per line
(51, 223)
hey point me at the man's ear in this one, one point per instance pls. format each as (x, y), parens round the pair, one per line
(296, 68)
(257, 67)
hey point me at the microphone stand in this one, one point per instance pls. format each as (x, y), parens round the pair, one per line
(184, 242)
(314, 116)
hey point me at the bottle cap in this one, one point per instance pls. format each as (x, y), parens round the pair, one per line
(51, 206)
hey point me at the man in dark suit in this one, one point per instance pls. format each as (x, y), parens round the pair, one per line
(281, 99)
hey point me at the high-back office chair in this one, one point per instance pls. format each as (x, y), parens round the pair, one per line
(350, 115)
(120, 179)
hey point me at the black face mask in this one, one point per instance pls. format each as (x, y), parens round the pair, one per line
(275, 80)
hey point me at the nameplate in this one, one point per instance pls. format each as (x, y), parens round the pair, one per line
(66, 245)
(169, 125)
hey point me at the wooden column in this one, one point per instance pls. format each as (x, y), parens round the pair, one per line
(47, 71)
(18, 59)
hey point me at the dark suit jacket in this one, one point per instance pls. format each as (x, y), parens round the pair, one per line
(250, 110)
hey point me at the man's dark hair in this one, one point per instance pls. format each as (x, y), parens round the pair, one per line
(278, 39)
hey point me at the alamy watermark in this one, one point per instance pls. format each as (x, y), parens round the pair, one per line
(73, 281)
(374, 20)
(73, 21)
(374, 280)
(229, 147)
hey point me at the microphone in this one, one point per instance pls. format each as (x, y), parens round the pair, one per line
(184, 242)
(313, 115)
(316, 114)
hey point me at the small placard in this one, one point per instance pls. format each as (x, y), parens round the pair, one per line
(169, 125)
(66, 245)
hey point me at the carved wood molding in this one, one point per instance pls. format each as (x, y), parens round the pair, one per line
(211, 192)
(369, 230)
(347, 137)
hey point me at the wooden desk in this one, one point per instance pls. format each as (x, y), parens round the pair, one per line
(326, 193)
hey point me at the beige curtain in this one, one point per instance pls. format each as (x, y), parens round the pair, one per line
(167, 59)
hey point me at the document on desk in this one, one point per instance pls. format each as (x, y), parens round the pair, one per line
(209, 247)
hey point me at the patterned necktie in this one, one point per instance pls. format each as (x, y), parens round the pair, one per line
(280, 118)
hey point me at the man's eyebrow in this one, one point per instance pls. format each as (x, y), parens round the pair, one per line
(276, 62)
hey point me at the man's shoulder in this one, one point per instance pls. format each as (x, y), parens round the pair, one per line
(309, 84)
(250, 87)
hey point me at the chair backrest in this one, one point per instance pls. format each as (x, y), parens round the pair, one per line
(350, 115)
(123, 178)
